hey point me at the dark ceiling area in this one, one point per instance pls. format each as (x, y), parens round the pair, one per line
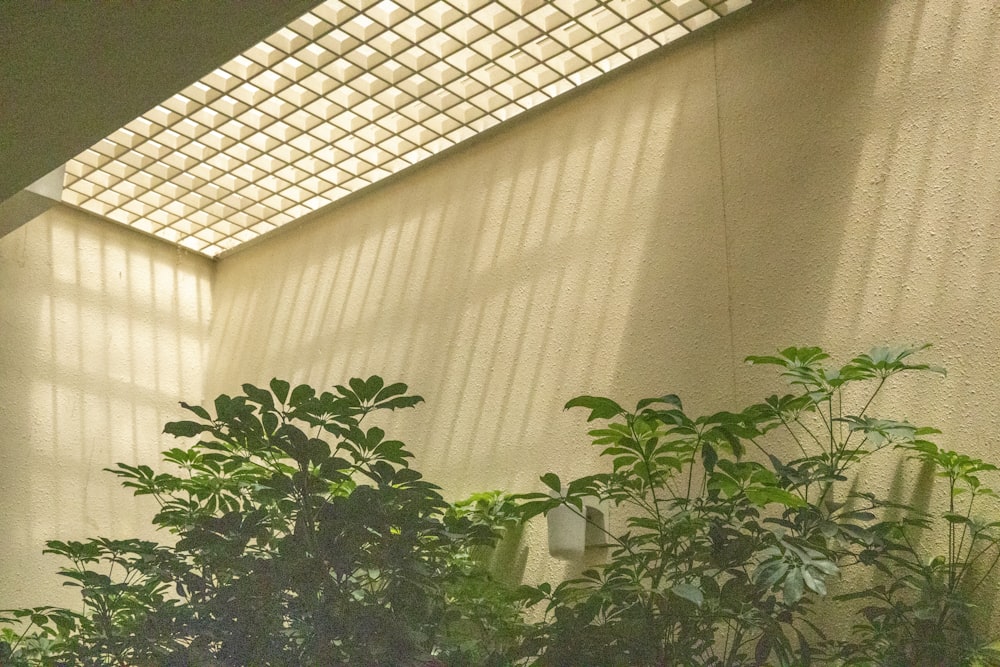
(72, 72)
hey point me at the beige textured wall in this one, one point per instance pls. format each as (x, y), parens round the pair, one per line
(811, 173)
(102, 331)
(862, 189)
(861, 174)
(578, 252)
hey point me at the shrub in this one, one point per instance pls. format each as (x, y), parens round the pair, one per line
(726, 547)
(303, 537)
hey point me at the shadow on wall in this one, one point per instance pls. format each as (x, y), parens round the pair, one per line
(792, 121)
(641, 237)
(103, 331)
(920, 261)
(862, 184)
(861, 179)
(498, 283)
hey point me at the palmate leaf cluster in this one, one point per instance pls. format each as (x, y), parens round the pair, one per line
(727, 547)
(303, 537)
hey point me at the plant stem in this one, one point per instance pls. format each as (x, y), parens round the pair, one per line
(647, 465)
(965, 526)
(792, 433)
(846, 458)
(809, 431)
(867, 403)
(829, 425)
(989, 570)
(951, 534)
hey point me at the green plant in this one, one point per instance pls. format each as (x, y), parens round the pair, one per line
(919, 611)
(727, 546)
(302, 538)
(485, 626)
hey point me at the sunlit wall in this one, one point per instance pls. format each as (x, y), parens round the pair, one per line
(810, 173)
(862, 185)
(103, 331)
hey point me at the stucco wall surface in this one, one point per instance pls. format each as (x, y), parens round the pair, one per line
(810, 173)
(102, 331)
(578, 252)
(862, 177)
(862, 189)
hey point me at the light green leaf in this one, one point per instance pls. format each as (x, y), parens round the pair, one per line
(600, 408)
(763, 495)
(793, 586)
(689, 592)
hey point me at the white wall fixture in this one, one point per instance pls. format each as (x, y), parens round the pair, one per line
(571, 532)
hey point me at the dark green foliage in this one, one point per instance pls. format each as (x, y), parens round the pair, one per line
(727, 546)
(302, 538)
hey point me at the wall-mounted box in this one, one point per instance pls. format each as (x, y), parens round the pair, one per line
(571, 532)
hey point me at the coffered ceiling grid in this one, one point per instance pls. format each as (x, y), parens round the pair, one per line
(348, 94)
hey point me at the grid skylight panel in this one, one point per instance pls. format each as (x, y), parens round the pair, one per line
(348, 94)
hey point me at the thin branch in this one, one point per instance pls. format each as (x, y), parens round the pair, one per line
(866, 405)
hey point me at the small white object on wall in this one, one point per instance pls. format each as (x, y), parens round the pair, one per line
(571, 532)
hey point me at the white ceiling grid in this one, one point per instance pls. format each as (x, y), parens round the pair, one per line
(348, 94)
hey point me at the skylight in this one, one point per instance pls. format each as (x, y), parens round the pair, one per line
(348, 94)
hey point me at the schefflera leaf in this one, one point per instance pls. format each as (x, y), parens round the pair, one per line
(600, 407)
